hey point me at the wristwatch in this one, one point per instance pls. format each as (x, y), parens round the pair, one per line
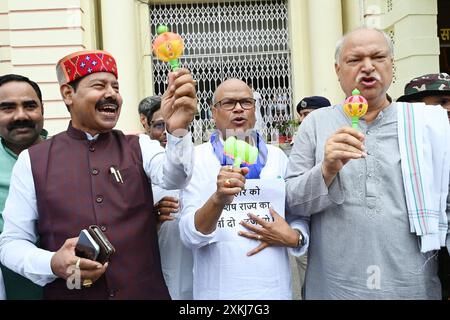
(301, 239)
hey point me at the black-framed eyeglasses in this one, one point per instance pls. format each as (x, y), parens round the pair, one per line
(158, 125)
(230, 104)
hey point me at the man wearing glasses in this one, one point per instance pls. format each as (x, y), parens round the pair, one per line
(152, 119)
(227, 266)
(176, 259)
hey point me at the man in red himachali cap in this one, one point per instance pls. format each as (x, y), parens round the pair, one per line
(94, 175)
(82, 63)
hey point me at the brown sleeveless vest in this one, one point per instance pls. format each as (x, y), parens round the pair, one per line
(75, 189)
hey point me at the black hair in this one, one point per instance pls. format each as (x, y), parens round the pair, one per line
(148, 106)
(15, 77)
(74, 84)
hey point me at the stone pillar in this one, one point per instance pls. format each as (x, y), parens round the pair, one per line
(325, 29)
(300, 59)
(352, 15)
(121, 38)
(413, 28)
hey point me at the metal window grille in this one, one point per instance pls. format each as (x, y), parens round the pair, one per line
(248, 40)
(389, 5)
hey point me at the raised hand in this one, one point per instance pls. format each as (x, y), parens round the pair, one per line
(344, 145)
(230, 182)
(179, 102)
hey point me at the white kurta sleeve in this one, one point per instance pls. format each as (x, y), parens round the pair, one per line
(170, 168)
(191, 199)
(18, 249)
(201, 186)
(189, 235)
(300, 223)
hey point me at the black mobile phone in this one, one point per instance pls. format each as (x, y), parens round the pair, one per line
(106, 248)
(86, 246)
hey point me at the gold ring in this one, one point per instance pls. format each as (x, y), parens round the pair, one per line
(259, 237)
(77, 264)
(87, 283)
(230, 168)
(228, 182)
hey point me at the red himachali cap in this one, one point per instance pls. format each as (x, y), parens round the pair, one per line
(82, 63)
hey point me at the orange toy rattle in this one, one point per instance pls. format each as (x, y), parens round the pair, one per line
(355, 107)
(168, 46)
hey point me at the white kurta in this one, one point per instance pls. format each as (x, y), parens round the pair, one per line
(170, 168)
(221, 268)
(176, 258)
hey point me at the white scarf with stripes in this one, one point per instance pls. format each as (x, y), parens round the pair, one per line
(424, 141)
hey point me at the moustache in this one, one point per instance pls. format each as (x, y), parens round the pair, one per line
(106, 101)
(21, 124)
(375, 75)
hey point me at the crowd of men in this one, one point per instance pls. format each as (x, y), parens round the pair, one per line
(364, 211)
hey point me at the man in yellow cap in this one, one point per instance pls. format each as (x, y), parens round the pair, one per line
(94, 175)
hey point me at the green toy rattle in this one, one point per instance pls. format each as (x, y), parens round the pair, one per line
(240, 151)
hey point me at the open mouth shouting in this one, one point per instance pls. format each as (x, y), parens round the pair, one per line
(368, 81)
(239, 121)
(108, 109)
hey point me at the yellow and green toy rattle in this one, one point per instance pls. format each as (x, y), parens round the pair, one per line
(168, 46)
(240, 151)
(355, 107)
